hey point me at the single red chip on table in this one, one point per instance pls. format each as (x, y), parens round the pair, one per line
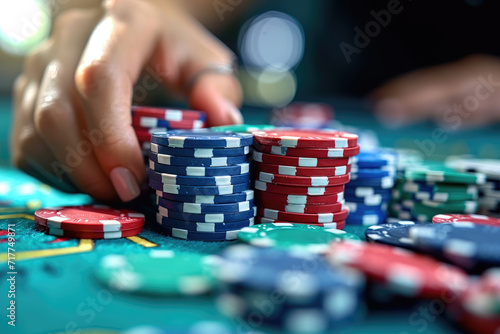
(325, 153)
(264, 197)
(338, 225)
(310, 181)
(300, 161)
(303, 217)
(301, 171)
(93, 235)
(91, 218)
(306, 138)
(460, 218)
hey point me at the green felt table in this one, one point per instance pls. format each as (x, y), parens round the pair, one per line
(56, 291)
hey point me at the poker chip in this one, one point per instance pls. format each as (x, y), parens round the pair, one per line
(434, 196)
(299, 161)
(383, 182)
(302, 171)
(442, 174)
(306, 138)
(208, 217)
(154, 122)
(204, 208)
(158, 272)
(242, 128)
(196, 190)
(93, 235)
(296, 190)
(89, 218)
(201, 139)
(200, 236)
(373, 200)
(200, 152)
(200, 171)
(474, 219)
(313, 181)
(203, 226)
(367, 219)
(371, 173)
(303, 208)
(221, 180)
(338, 225)
(165, 159)
(174, 115)
(399, 270)
(245, 195)
(303, 217)
(393, 234)
(268, 197)
(376, 158)
(324, 153)
(304, 237)
(363, 192)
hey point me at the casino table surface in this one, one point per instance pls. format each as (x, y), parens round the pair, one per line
(57, 293)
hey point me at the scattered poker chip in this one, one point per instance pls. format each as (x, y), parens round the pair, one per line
(200, 236)
(221, 180)
(383, 182)
(303, 217)
(311, 181)
(293, 236)
(323, 153)
(200, 171)
(303, 208)
(442, 174)
(208, 217)
(472, 218)
(200, 152)
(468, 245)
(299, 161)
(175, 115)
(158, 272)
(93, 235)
(393, 234)
(338, 225)
(165, 159)
(267, 197)
(204, 208)
(197, 190)
(245, 195)
(90, 218)
(202, 226)
(306, 138)
(296, 190)
(202, 138)
(242, 128)
(399, 270)
(302, 171)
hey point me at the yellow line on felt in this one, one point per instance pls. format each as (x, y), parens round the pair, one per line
(85, 245)
(142, 242)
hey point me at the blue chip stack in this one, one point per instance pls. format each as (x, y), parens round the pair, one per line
(256, 287)
(367, 196)
(202, 182)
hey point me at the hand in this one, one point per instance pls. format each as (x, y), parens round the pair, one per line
(72, 123)
(465, 93)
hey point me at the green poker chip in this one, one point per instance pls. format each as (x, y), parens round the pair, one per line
(434, 172)
(243, 128)
(293, 236)
(158, 272)
(435, 208)
(436, 195)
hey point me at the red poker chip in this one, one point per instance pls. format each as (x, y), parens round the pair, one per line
(311, 181)
(302, 171)
(338, 225)
(325, 153)
(306, 138)
(284, 199)
(300, 161)
(303, 217)
(296, 190)
(93, 235)
(472, 218)
(149, 122)
(175, 115)
(400, 270)
(89, 218)
(303, 208)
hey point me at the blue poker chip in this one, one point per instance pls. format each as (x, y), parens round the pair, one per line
(197, 190)
(468, 245)
(368, 219)
(371, 173)
(204, 208)
(376, 158)
(394, 234)
(360, 208)
(364, 191)
(200, 152)
(172, 160)
(384, 182)
(201, 139)
(221, 180)
(201, 171)
(203, 227)
(371, 200)
(245, 195)
(200, 236)
(223, 217)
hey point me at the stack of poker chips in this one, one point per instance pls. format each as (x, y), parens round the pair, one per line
(202, 182)
(255, 284)
(368, 194)
(145, 119)
(300, 175)
(431, 188)
(89, 222)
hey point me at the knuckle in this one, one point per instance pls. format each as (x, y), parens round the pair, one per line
(90, 77)
(48, 116)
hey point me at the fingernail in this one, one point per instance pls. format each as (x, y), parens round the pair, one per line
(233, 112)
(390, 112)
(125, 184)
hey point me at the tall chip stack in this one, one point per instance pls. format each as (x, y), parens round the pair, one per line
(367, 196)
(300, 175)
(202, 182)
(431, 188)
